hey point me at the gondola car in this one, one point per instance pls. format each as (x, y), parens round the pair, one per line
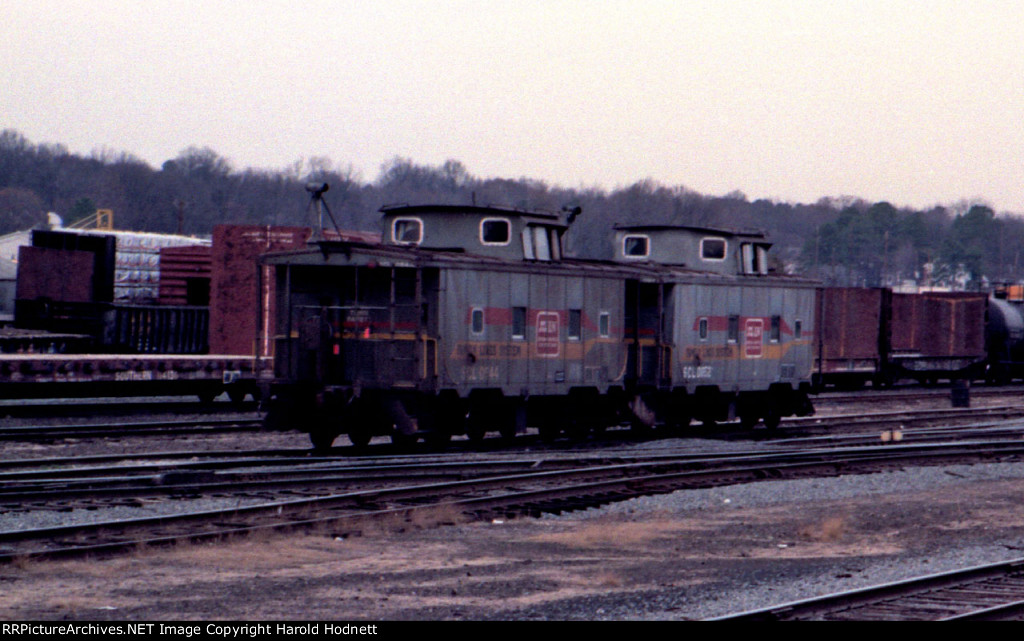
(469, 319)
(880, 336)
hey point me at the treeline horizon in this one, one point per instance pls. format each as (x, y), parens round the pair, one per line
(845, 241)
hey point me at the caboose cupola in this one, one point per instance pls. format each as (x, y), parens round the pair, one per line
(498, 232)
(699, 248)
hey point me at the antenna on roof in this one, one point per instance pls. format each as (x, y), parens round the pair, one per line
(316, 199)
(573, 213)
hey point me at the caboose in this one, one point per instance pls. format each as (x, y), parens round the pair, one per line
(469, 319)
(734, 339)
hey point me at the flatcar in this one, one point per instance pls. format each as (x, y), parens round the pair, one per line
(468, 320)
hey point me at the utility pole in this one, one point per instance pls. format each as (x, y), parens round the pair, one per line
(179, 208)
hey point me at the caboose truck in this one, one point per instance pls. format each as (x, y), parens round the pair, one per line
(469, 319)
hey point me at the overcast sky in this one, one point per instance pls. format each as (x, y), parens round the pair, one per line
(914, 102)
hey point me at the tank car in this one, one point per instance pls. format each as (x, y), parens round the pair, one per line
(1004, 335)
(469, 319)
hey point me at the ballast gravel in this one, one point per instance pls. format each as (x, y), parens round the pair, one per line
(805, 576)
(687, 555)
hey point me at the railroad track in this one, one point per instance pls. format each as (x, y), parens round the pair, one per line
(912, 393)
(64, 480)
(77, 408)
(986, 593)
(499, 495)
(135, 428)
(883, 420)
(239, 422)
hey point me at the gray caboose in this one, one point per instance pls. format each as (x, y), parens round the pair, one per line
(469, 319)
(466, 319)
(734, 338)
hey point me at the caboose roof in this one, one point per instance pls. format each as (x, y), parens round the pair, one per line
(470, 210)
(721, 231)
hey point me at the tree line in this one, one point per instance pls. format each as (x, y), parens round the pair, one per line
(842, 241)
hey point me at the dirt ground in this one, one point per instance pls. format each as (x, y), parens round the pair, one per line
(647, 564)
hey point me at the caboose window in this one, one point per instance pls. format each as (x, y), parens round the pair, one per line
(556, 245)
(798, 329)
(495, 231)
(702, 329)
(776, 331)
(734, 329)
(755, 258)
(604, 324)
(477, 321)
(519, 322)
(749, 255)
(712, 248)
(575, 324)
(540, 243)
(407, 231)
(528, 252)
(635, 246)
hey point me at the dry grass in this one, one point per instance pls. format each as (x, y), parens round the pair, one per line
(437, 515)
(601, 533)
(607, 580)
(830, 530)
(408, 520)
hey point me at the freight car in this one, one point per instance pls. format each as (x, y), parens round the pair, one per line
(27, 375)
(88, 324)
(1004, 334)
(879, 336)
(470, 319)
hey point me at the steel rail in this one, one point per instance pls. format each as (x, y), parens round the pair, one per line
(527, 493)
(95, 430)
(987, 592)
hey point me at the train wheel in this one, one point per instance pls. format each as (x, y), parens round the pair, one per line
(322, 439)
(513, 419)
(548, 433)
(360, 436)
(449, 418)
(507, 424)
(438, 438)
(678, 410)
(679, 420)
(475, 430)
(578, 426)
(578, 429)
(748, 420)
(403, 441)
(772, 416)
(549, 427)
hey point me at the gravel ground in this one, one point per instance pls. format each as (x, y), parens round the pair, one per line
(686, 555)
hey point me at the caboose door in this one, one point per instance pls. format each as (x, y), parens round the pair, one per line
(644, 332)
